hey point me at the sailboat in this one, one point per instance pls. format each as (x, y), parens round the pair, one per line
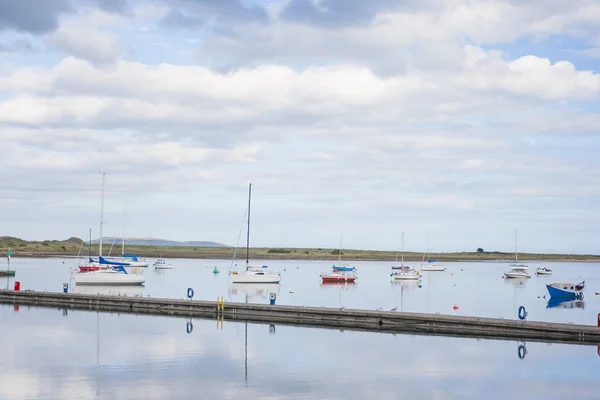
(517, 270)
(401, 266)
(339, 267)
(126, 260)
(403, 272)
(253, 275)
(116, 275)
(91, 266)
(432, 265)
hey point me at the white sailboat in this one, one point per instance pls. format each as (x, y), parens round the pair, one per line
(517, 270)
(116, 275)
(253, 275)
(432, 265)
(404, 272)
(127, 260)
(161, 263)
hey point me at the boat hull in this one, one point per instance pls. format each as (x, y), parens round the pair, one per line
(405, 277)
(111, 279)
(563, 293)
(338, 279)
(432, 268)
(543, 272)
(251, 278)
(344, 269)
(516, 275)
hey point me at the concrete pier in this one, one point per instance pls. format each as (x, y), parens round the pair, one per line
(320, 317)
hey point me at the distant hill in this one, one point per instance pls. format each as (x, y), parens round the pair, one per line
(158, 242)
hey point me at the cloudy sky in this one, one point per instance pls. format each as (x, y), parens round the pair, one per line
(351, 118)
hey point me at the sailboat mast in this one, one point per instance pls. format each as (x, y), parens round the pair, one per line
(123, 232)
(403, 249)
(248, 230)
(516, 258)
(427, 245)
(101, 213)
(90, 245)
(340, 252)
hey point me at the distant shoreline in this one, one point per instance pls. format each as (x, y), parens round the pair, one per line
(75, 246)
(294, 257)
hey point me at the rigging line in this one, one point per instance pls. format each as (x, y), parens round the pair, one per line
(238, 240)
(111, 246)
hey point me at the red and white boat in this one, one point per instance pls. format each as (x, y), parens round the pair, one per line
(92, 267)
(336, 276)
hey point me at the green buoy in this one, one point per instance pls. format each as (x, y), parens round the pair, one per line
(215, 271)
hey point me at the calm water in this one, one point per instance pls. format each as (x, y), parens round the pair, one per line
(476, 288)
(50, 354)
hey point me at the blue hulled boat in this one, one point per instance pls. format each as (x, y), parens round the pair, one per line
(343, 268)
(566, 290)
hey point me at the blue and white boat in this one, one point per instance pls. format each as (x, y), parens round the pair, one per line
(566, 290)
(344, 268)
(339, 266)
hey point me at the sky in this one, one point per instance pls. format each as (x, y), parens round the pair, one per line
(358, 120)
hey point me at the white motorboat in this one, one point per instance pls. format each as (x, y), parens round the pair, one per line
(517, 272)
(543, 271)
(114, 276)
(252, 274)
(161, 263)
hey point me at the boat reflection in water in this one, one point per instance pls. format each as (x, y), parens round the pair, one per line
(121, 290)
(254, 291)
(562, 302)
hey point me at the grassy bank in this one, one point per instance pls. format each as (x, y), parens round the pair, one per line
(72, 247)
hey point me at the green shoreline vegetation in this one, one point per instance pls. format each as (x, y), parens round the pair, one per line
(72, 246)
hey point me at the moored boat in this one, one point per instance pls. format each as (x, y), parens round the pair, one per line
(251, 274)
(337, 277)
(567, 290)
(543, 271)
(255, 276)
(114, 276)
(517, 272)
(161, 263)
(406, 273)
(432, 265)
(344, 268)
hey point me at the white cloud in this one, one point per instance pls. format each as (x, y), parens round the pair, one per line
(411, 114)
(87, 43)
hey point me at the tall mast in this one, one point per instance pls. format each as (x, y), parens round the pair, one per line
(102, 213)
(340, 252)
(403, 249)
(90, 245)
(248, 230)
(427, 245)
(123, 232)
(516, 258)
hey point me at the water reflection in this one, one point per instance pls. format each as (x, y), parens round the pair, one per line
(557, 302)
(409, 286)
(121, 290)
(254, 291)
